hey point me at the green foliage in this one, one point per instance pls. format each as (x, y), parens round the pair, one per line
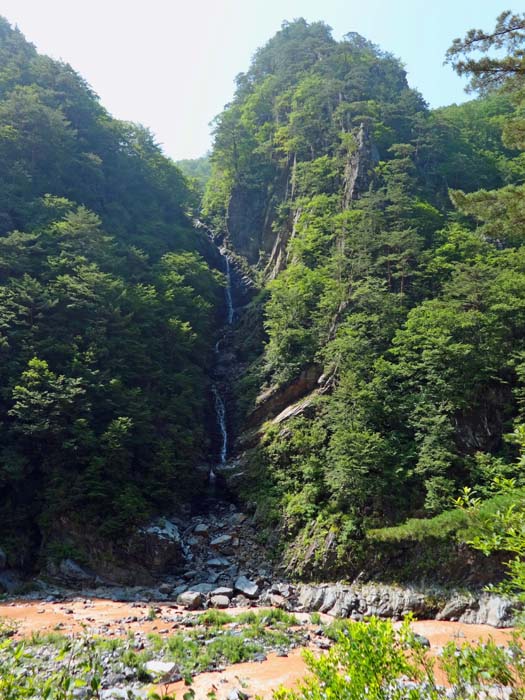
(408, 296)
(215, 618)
(106, 310)
(197, 170)
(374, 660)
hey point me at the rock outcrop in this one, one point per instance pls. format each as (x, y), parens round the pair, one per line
(359, 167)
(158, 547)
(276, 399)
(364, 600)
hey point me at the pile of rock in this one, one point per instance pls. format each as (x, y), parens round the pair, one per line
(225, 565)
(243, 592)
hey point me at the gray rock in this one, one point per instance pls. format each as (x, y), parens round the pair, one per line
(221, 540)
(240, 601)
(365, 600)
(159, 668)
(237, 694)
(123, 693)
(165, 588)
(72, 572)
(223, 590)
(283, 589)
(219, 601)
(246, 587)
(423, 641)
(454, 608)
(239, 518)
(201, 529)
(158, 547)
(9, 581)
(203, 587)
(191, 600)
(491, 610)
(218, 562)
(278, 601)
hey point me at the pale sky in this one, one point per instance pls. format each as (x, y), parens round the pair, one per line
(170, 64)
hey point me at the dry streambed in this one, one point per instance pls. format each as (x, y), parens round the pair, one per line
(139, 645)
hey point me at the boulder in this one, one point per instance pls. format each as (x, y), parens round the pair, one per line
(246, 587)
(159, 668)
(158, 547)
(202, 587)
(223, 590)
(72, 572)
(239, 518)
(218, 562)
(219, 601)
(283, 589)
(165, 588)
(278, 601)
(191, 600)
(10, 581)
(164, 671)
(221, 541)
(454, 608)
(237, 694)
(201, 529)
(423, 641)
(491, 610)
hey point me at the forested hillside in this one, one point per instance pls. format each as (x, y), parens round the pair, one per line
(289, 375)
(106, 309)
(387, 241)
(375, 252)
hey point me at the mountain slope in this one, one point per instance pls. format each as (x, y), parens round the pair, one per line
(106, 309)
(390, 369)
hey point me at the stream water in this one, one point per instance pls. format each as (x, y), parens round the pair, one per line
(218, 387)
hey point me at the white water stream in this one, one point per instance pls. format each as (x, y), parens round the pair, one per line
(220, 405)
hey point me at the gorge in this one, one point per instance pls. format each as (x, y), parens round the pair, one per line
(296, 384)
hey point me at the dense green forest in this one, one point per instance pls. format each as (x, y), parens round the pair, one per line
(384, 247)
(106, 308)
(196, 169)
(388, 244)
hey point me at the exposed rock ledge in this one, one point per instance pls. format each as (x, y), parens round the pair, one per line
(277, 398)
(357, 601)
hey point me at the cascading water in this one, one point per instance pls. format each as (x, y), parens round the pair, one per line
(228, 290)
(220, 411)
(218, 392)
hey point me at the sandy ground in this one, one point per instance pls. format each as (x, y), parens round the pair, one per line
(110, 618)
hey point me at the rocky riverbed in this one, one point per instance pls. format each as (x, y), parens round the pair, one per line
(222, 619)
(216, 560)
(142, 645)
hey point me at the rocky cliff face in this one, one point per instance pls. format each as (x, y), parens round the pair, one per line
(276, 399)
(247, 213)
(359, 167)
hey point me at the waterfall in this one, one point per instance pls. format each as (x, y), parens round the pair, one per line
(220, 412)
(228, 291)
(218, 386)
